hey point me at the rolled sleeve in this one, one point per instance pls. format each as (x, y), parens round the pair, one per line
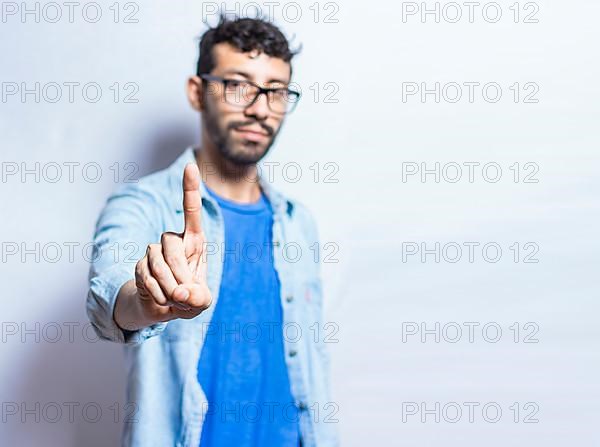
(124, 229)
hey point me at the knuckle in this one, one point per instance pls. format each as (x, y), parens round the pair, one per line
(166, 237)
(153, 249)
(157, 269)
(146, 281)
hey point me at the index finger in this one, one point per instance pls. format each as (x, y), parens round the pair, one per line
(192, 200)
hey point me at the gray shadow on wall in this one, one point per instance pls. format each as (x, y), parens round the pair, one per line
(74, 377)
(166, 144)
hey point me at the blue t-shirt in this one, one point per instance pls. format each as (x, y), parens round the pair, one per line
(242, 366)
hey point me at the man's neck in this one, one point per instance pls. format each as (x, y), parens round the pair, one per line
(232, 182)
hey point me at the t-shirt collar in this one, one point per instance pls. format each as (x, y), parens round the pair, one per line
(279, 203)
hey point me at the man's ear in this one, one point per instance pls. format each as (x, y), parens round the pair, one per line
(194, 93)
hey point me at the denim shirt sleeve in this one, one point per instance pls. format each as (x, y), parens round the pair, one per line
(328, 431)
(312, 232)
(125, 227)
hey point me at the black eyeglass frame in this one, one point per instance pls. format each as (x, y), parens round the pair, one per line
(261, 90)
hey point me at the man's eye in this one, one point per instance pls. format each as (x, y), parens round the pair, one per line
(281, 94)
(234, 84)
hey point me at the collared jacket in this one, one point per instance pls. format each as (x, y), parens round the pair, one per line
(167, 403)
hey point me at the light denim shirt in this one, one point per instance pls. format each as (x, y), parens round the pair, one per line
(162, 359)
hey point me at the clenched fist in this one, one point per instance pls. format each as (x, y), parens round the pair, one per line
(170, 280)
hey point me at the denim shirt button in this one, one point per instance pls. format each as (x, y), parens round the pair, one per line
(276, 243)
(302, 406)
(289, 298)
(293, 353)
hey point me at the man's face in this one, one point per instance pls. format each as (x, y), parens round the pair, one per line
(242, 134)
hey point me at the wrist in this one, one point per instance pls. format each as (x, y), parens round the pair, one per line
(129, 313)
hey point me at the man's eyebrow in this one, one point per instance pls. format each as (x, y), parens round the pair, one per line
(237, 72)
(247, 76)
(281, 81)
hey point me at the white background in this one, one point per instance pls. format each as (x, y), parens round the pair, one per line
(371, 213)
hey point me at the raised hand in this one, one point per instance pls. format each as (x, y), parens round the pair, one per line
(171, 277)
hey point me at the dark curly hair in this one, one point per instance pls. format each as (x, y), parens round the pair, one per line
(245, 34)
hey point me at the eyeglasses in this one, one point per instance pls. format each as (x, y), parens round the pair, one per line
(245, 93)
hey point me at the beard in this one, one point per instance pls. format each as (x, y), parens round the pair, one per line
(239, 152)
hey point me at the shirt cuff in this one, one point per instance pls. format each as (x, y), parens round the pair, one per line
(102, 297)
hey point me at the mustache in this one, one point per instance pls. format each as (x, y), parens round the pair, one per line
(234, 125)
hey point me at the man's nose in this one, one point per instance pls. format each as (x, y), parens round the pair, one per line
(259, 109)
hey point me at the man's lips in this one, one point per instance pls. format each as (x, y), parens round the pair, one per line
(251, 134)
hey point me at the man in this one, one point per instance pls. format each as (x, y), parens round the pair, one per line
(221, 328)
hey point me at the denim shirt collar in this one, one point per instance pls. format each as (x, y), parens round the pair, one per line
(280, 204)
